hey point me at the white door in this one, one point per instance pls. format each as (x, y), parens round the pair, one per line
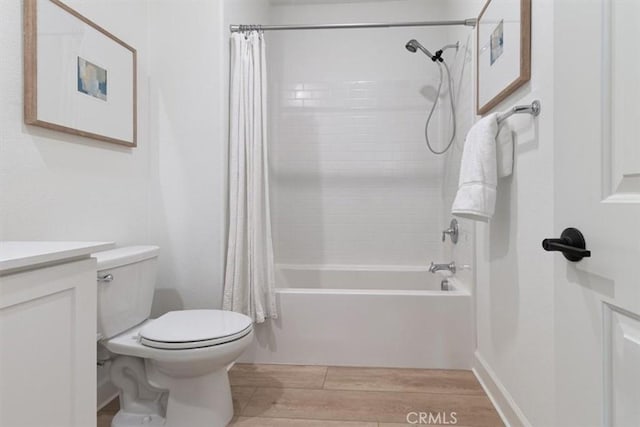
(597, 170)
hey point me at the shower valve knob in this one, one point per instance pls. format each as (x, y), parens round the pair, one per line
(452, 231)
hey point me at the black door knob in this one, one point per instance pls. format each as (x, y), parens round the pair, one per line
(571, 243)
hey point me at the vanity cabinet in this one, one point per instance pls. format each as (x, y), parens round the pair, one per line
(47, 334)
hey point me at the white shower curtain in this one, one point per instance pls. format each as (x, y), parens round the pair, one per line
(249, 286)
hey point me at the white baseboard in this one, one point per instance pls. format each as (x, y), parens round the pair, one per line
(106, 391)
(510, 413)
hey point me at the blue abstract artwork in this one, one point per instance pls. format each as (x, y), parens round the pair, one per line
(497, 42)
(92, 80)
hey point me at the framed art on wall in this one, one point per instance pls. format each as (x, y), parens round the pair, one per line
(79, 78)
(503, 51)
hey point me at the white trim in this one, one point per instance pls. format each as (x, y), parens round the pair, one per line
(106, 393)
(510, 413)
(379, 292)
(607, 371)
(606, 139)
(607, 358)
(621, 188)
(352, 267)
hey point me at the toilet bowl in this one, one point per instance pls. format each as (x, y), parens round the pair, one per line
(170, 371)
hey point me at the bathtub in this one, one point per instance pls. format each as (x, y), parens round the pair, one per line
(366, 316)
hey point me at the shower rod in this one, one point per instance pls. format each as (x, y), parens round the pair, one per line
(236, 28)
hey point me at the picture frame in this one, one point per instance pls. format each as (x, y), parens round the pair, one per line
(78, 77)
(503, 51)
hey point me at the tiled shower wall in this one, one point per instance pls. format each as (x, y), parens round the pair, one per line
(352, 182)
(462, 253)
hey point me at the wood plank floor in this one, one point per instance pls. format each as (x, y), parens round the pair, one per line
(318, 396)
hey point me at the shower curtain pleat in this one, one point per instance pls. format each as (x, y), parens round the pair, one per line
(249, 286)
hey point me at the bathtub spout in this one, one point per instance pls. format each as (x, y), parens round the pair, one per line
(433, 268)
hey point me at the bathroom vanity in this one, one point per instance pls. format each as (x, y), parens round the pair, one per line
(48, 333)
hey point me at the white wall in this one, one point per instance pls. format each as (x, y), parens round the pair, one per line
(189, 89)
(170, 190)
(186, 196)
(462, 73)
(62, 187)
(55, 186)
(352, 181)
(515, 282)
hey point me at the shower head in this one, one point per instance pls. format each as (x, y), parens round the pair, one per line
(413, 45)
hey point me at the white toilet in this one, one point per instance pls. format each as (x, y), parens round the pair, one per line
(171, 371)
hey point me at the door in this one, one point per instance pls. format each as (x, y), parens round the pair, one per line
(597, 172)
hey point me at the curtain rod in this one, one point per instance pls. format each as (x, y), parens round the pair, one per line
(236, 28)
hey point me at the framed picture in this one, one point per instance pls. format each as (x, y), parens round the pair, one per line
(79, 78)
(503, 51)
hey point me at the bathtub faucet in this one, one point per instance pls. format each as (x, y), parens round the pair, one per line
(439, 267)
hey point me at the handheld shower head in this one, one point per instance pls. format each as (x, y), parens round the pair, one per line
(413, 45)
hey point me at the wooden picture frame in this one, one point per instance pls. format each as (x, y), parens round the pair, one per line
(78, 78)
(502, 67)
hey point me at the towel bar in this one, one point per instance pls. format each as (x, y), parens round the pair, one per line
(533, 109)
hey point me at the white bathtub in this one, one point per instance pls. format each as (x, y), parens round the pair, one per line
(363, 316)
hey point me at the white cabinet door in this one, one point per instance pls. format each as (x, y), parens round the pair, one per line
(597, 168)
(47, 346)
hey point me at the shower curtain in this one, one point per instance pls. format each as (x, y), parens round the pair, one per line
(249, 286)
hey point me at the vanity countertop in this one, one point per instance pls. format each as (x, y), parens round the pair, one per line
(20, 255)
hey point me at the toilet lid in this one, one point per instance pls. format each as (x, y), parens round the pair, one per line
(194, 329)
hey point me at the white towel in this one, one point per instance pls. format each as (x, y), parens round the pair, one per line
(504, 151)
(476, 197)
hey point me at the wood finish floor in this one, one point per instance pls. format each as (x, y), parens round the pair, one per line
(318, 396)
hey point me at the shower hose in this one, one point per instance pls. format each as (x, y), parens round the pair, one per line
(433, 109)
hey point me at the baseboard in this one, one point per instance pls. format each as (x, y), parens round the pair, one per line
(106, 391)
(106, 394)
(510, 413)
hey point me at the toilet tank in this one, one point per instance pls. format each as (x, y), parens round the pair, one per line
(126, 282)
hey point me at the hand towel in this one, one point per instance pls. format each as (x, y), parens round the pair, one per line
(504, 150)
(476, 196)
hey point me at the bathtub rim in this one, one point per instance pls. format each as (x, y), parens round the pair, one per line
(459, 288)
(354, 267)
(373, 292)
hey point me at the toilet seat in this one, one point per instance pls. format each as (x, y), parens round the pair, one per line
(192, 329)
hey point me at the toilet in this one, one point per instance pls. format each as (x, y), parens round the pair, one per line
(170, 371)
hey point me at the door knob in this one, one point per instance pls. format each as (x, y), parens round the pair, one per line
(571, 243)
